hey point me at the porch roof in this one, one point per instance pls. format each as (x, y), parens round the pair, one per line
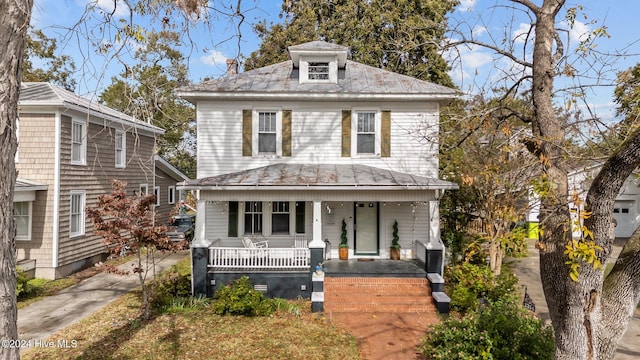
(317, 177)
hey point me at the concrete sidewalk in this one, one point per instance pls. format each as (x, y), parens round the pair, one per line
(528, 271)
(44, 318)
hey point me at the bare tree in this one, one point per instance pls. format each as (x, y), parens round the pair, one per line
(14, 23)
(589, 313)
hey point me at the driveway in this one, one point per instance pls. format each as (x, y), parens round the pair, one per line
(44, 318)
(528, 271)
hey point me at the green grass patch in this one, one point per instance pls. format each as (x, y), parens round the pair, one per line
(118, 332)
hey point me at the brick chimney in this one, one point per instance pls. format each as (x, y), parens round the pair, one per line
(232, 67)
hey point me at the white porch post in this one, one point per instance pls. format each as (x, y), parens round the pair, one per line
(317, 241)
(434, 222)
(200, 233)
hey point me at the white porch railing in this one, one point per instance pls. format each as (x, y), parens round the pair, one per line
(225, 258)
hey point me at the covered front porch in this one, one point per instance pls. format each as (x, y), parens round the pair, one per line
(298, 215)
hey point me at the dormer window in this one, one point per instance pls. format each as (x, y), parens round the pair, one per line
(318, 71)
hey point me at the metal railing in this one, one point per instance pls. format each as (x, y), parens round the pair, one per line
(226, 258)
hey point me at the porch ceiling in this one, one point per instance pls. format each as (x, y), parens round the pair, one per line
(317, 177)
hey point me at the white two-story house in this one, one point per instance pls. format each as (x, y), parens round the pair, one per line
(292, 150)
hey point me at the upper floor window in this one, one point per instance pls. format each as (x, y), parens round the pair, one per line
(267, 132)
(22, 219)
(318, 71)
(366, 133)
(156, 192)
(121, 148)
(78, 142)
(76, 226)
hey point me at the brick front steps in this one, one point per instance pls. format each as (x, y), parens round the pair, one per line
(370, 294)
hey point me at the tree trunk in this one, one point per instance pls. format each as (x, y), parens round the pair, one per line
(14, 20)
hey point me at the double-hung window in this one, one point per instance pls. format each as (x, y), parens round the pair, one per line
(267, 132)
(366, 133)
(78, 142)
(22, 219)
(121, 148)
(76, 226)
(252, 217)
(280, 217)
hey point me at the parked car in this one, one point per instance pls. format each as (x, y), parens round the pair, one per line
(182, 227)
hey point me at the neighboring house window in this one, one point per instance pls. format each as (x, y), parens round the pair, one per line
(252, 217)
(78, 142)
(366, 130)
(156, 192)
(144, 189)
(22, 218)
(182, 195)
(280, 217)
(171, 194)
(267, 133)
(318, 71)
(121, 148)
(77, 213)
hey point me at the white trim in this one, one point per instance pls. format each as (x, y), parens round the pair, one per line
(120, 161)
(83, 143)
(144, 186)
(83, 204)
(56, 190)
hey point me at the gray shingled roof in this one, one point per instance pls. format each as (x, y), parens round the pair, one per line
(46, 94)
(355, 81)
(319, 176)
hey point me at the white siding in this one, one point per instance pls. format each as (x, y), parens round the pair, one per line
(316, 136)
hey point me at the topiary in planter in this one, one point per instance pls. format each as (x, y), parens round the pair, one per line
(343, 248)
(394, 249)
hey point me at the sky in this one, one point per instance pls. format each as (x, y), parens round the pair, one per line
(218, 40)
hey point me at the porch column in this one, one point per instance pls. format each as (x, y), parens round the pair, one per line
(435, 247)
(316, 248)
(200, 252)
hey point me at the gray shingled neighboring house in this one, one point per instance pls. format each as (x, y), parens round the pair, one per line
(69, 150)
(289, 151)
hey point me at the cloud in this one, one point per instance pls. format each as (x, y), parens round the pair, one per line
(119, 8)
(466, 5)
(215, 58)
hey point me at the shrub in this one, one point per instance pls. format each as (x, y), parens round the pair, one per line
(22, 283)
(239, 298)
(168, 286)
(468, 284)
(500, 330)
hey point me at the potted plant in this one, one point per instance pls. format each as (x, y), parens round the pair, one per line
(394, 249)
(343, 249)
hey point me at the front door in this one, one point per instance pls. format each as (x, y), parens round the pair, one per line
(366, 228)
